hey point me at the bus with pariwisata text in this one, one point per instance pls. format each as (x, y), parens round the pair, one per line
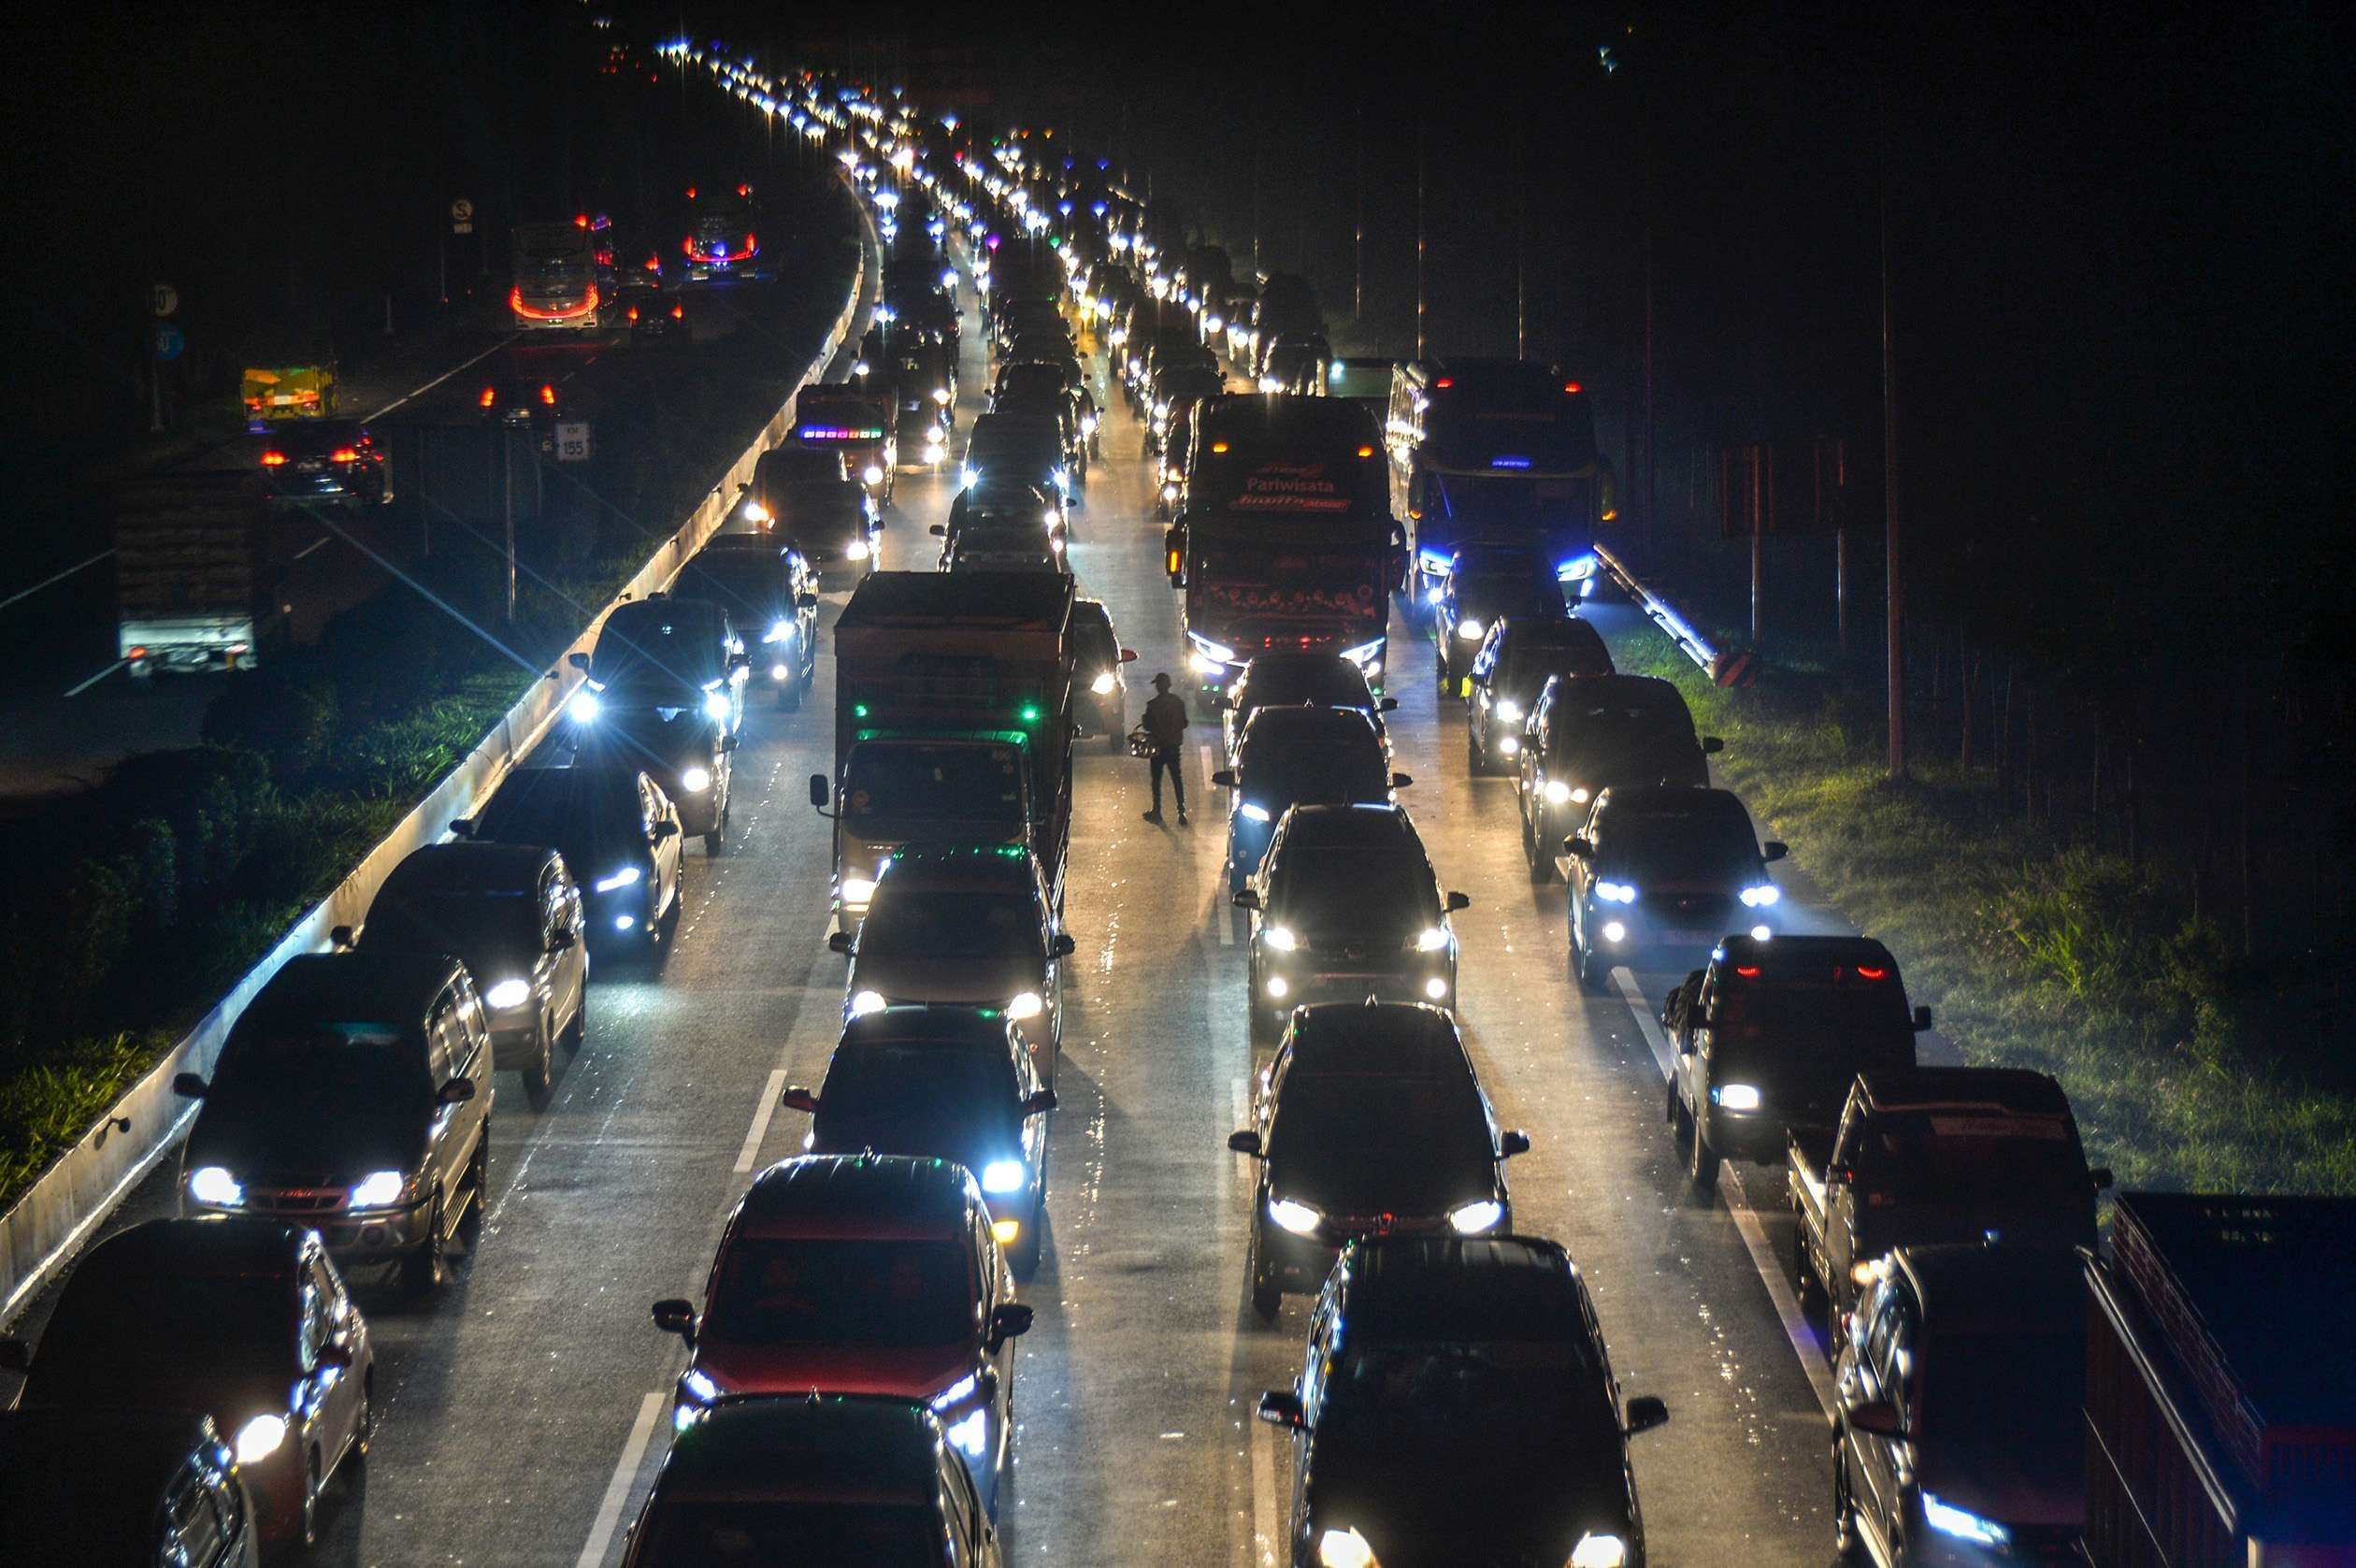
(556, 284)
(1500, 451)
(1287, 541)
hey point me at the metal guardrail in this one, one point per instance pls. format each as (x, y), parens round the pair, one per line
(44, 1229)
(1663, 614)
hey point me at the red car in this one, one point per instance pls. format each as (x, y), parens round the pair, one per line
(861, 1274)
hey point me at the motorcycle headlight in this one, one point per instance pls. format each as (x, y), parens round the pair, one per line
(1344, 1548)
(864, 1002)
(1002, 1177)
(694, 781)
(507, 993)
(1509, 711)
(1024, 1005)
(1763, 895)
(1597, 1549)
(698, 1387)
(625, 877)
(1431, 939)
(1471, 1219)
(380, 1189)
(1280, 938)
(259, 1438)
(584, 707)
(1299, 1218)
(1051, 517)
(716, 706)
(215, 1186)
(1251, 812)
(1615, 892)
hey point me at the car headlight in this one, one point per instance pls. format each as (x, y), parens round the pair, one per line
(957, 1393)
(1507, 745)
(1024, 1005)
(1299, 1218)
(584, 707)
(932, 451)
(1470, 629)
(1963, 1523)
(1103, 684)
(855, 550)
(508, 993)
(1557, 793)
(1161, 410)
(1280, 938)
(972, 1435)
(1204, 664)
(694, 781)
(1597, 1549)
(1431, 939)
(1344, 1548)
(780, 631)
(1735, 1096)
(1003, 1176)
(857, 889)
(1868, 1271)
(214, 1186)
(1615, 892)
(625, 877)
(872, 474)
(864, 1002)
(755, 513)
(716, 706)
(1615, 932)
(941, 396)
(1509, 711)
(1761, 933)
(259, 1438)
(1249, 811)
(1766, 893)
(698, 1387)
(1471, 1219)
(380, 1189)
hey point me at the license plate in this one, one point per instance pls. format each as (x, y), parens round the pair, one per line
(1690, 939)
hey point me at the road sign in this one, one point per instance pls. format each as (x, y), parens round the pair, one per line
(165, 299)
(169, 341)
(573, 444)
(462, 216)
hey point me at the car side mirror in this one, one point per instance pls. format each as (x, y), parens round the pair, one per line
(1921, 1019)
(666, 828)
(1009, 1321)
(1840, 1176)
(674, 1315)
(1063, 946)
(1456, 901)
(937, 531)
(1774, 849)
(818, 790)
(1246, 1142)
(578, 660)
(804, 601)
(15, 1355)
(1129, 656)
(462, 827)
(839, 942)
(1224, 778)
(1400, 781)
(1712, 745)
(341, 937)
(1644, 1412)
(1386, 705)
(1513, 1144)
(334, 1353)
(1246, 899)
(1039, 1103)
(797, 1098)
(457, 1091)
(1280, 1407)
(1577, 847)
(1876, 1418)
(188, 1085)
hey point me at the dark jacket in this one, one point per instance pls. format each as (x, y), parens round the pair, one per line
(1165, 720)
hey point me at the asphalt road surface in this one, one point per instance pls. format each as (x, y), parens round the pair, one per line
(525, 1409)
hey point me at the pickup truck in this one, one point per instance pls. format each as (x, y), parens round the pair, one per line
(1771, 1036)
(1937, 1154)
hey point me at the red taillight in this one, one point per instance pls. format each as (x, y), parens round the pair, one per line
(274, 459)
(750, 244)
(490, 396)
(689, 245)
(515, 299)
(548, 395)
(1570, 386)
(1445, 382)
(634, 312)
(654, 263)
(138, 653)
(1366, 452)
(1749, 972)
(581, 220)
(691, 193)
(744, 190)
(678, 313)
(1866, 971)
(344, 455)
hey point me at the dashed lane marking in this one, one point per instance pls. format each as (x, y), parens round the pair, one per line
(617, 1490)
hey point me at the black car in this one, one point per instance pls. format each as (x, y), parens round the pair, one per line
(1587, 733)
(514, 398)
(1287, 679)
(1370, 1121)
(787, 1478)
(771, 591)
(806, 497)
(651, 314)
(1017, 449)
(616, 826)
(949, 1080)
(122, 1488)
(244, 1320)
(1517, 658)
(1658, 875)
(1344, 907)
(1290, 757)
(1096, 668)
(1958, 1433)
(513, 914)
(995, 543)
(1172, 395)
(1467, 1415)
(667, 652)
(352, 1096)
(326, 462)
(1483, 583)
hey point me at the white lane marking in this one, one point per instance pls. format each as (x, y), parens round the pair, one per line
(1762, 1254)
(80, 687)
(761, 1115)
(1265, 1443)
(1239, 1107)
(314, 545)
(28, 593)
(618, 1489)
(421, 391)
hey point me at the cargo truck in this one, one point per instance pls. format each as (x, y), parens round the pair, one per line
(199, 572)
(953, 722)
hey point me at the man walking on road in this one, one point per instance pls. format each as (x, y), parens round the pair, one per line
(1165, 726)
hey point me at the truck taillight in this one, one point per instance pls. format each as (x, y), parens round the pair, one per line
(678, 313)
(490, 396)
(515, 299)
(274, 460)
(634, 312)
(1571, 386)
(548, 395)
(654, 263)
(345, 454)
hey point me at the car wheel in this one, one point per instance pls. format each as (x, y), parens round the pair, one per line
(1680, 1124)
(1267, 1295)
(540, 1079)
(478, 1180)
(422, 1271)
(1025, 1259)
(716, 842)
(1583, 964)
(1439, 673)
(1846, 1545)
(1702, 1162)
(1806, 1285)
(667, 927)
(1541, 864)
(364, 1430)
(308, 1534)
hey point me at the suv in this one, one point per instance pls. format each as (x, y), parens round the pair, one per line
(614, 826)
(1289, 756)
(352, 1096)
(1658, 875)
(1284, 679)
(1096, 660)
(334, 461)
(664, 655)
(1588, 732)
(122, 1488)
(1484, 582)
(1517, 658)
(1345, 907)
(866, 1274)
(513, 914)
(963, 923)
(766, 587)
(1370, 1121)
(1469, 1416)
(809, 498)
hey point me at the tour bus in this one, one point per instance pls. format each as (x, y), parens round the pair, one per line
(555, 283)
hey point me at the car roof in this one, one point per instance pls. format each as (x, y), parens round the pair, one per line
(208, 1245)
(980, 867)
(1967, 1286)
(1362, 823)
(1679, 800)
(313, 987)
(1290, 661)
(90, 1481)
(1375, 1039)
(1617, 688)
(466, 865)
(760, 546)
(1296, 724)
(1561, 631)
(944, 1025)
(1091, 611)
(1784, 955)
(857, 1196)
(1991, 1091)
(1428, 1286)
(661, 615)
(788, 1447)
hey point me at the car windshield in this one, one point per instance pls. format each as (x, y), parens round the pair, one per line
(920, 1100)
(659, 647)
(981, 783)
(1347, 886)
(1811, 1012)
(1505, 593)
(561, 808)
(818, 501)
(115, 1330)
(1334, 684)
(1702, 846)
(1380, 1141)
(702, 1533)
(1329, 765)
(646, 738)
(1984, 1163)
(935, 923)
(745, 583)
(1564, 647)
(369, 1063)
(469, 922)
(825, 1291)
(1094, 646)
(790, 464)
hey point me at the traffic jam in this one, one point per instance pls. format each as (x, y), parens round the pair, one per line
(849, 1375)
